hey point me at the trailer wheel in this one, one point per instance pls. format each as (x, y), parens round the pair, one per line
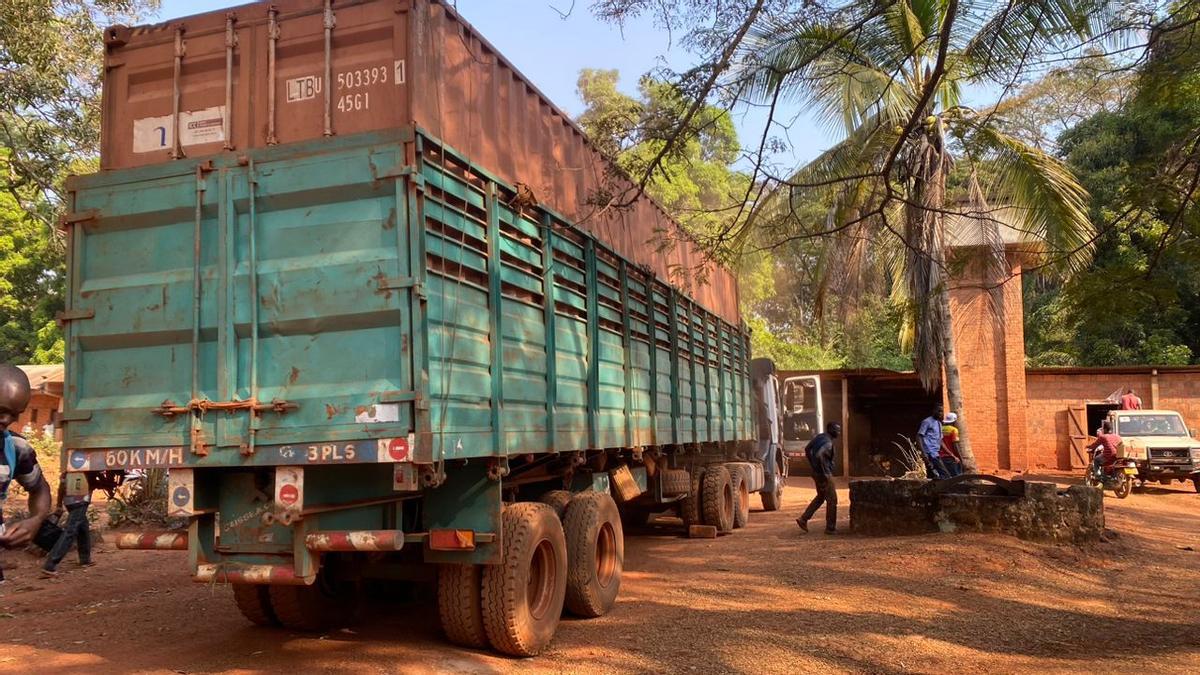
(254, 602)
(460, 604)
(595, 554)
(716, 498)
(317, 607)
(557, 500)
(689, 506)
(523, 595)
(741, 495)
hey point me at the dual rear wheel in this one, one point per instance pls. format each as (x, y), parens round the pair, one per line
(547, 563)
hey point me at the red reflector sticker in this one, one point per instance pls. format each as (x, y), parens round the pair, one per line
(452, 540)
(398, 449)
(288, 495)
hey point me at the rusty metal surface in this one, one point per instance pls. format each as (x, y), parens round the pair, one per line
(239, 573)
(153, 541)
(249, 77)
(356, 540)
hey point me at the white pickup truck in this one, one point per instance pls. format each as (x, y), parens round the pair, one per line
(1161, 444)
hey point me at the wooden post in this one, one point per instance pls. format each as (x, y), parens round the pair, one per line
(845, 426)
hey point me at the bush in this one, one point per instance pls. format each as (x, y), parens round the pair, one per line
(142, 501)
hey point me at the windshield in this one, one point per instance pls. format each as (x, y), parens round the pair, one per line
(1151, 425)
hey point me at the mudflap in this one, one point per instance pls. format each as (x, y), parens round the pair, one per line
(468, 500)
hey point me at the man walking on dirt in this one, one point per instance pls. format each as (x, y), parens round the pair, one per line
(75, 532)
(819, 452)
(18, 462)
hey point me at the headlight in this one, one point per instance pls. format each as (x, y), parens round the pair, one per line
(1196, 454)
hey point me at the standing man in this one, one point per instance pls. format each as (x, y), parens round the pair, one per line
(819, 452)
(1131, 401)
(949, 450)
(929, 435)
(19, 462)
(75, 531)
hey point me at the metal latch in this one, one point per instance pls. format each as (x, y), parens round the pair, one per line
(398, 283)
(74, 315)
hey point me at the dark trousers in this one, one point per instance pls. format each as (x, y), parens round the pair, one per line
(936, 470)
(827, 495)
(953, 466)
(74, 532)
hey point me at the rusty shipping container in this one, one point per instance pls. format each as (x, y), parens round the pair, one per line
(256, 75)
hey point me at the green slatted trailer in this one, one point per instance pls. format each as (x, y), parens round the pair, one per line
(364, 354)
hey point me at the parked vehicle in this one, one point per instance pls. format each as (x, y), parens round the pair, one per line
(359, 351)
(803, 417)
(1118, 477)
(1161, 445)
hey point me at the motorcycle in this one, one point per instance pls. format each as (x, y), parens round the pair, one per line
(1118, 476)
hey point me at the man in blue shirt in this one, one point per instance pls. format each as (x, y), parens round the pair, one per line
(929, 436)
(819, 452)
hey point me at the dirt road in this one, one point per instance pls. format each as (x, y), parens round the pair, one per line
(764, 600)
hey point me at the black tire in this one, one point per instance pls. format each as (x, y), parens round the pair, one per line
(1123, 487)
(689, 506)
(523, 595)
(741, 495)
(716, 498)
(313, 608)
(634, 517)
(460, 605)
(595, 554)
(557, 500)
(773, 500)
(675, 482)
(254, 602)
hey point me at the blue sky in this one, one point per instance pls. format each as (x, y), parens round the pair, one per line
(551, 50)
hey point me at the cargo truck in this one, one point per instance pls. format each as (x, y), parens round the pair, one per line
(360, 351)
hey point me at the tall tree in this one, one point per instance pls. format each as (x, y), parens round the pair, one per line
(51, 56)
(892, 75)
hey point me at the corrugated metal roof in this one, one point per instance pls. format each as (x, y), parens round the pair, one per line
(40, 376)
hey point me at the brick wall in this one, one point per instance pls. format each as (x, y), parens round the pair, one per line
(1051, 393)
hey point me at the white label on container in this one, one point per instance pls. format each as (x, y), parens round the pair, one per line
(399, 68)
(303, 88)
(378, 413)
(196, 127)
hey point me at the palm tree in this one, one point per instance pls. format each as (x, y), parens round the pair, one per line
(891, 73)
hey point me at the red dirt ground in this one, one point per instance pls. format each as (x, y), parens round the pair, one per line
(765, 600)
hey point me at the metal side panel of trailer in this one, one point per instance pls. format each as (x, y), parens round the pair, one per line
(363, 299)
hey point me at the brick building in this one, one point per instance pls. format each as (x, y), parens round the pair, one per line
(46, 402)
(1018, 418)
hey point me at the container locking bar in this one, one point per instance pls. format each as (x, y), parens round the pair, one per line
(169, 409)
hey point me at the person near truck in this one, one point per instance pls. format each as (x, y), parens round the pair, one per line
(1105, 447)
(929, 435)
(819, 452)
(1131, 401)
(18, 463)
(949, 450)
(75, 532)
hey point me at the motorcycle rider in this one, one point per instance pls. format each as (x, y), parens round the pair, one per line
(1104, 449)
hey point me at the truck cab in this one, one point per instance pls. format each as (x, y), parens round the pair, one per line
(802, 416)
(1161, 444)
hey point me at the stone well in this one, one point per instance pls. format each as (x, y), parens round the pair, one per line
(1037, 511)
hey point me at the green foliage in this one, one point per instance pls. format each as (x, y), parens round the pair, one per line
(32, 269)
(51, 56)
(1139, 302)
(142, 502)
